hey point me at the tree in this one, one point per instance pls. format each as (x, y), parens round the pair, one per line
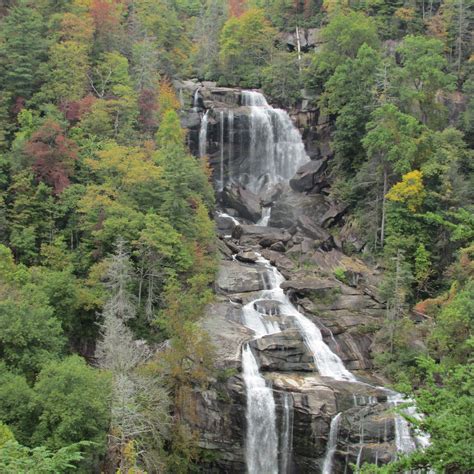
(281, 79)
(72, 400)
(422, 77)
(30, 336)
(246, 45)
(139, 401)
(342, 37)
(349, 95)
(15, 458)
(394, 143)
(22, 50)
(52, 156)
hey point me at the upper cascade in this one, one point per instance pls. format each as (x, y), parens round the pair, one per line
(276, 148)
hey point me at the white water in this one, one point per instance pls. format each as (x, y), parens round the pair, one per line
(203, 135)
(261, 447)
(266, 213)
(287, 434)
(221, 160)
(276, 148)
(327, 363)
(230, 141)
(196, 99)
(332, 445)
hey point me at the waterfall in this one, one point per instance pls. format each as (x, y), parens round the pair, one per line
(287, 434)
(230, 141)
(327, 362)
(266, 213)
(276, 148)
(196, 99)
(203, 135)
(332, 445)
(221, 161)
(261, 447)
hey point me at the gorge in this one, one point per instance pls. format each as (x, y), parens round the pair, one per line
(301, 396)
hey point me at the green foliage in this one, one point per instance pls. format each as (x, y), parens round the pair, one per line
(246, 45)
(72, 400)
(18, 459)
(421, 77)
(22, 49)
(30, 335)
(282, 80)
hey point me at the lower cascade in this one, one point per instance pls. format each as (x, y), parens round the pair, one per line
(261, 446)
(292, 364)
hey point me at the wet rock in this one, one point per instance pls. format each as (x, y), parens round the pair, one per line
(224, 224)
(291, 205)
(224, 250)
(278, 247)
(261, 235)
(247, 257)
(222, 323)
(234, 277)
(316, 232)
(283, 352)
(308, 176)
(246, 203)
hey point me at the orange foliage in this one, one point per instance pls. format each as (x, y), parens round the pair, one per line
(236, 7)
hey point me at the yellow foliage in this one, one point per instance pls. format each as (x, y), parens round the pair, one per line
(167, 99)
(123, 166)
(409, 191)
(405, 13)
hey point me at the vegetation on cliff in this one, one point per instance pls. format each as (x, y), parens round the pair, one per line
(106, 244)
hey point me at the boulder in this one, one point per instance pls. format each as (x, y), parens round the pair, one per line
(261, 235)
(247, 257)
(291, 205)
(316, 232)
(245, 202)
(235, 277)
(308, 176)
(284, 352)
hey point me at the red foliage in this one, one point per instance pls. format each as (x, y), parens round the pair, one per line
(105, 14)
(19, 105)
(236, 7)
(148, 107)
(52, 155)
(75, 109)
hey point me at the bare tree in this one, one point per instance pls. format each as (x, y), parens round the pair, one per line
(140, 403)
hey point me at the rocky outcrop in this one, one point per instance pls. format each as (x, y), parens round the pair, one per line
(238, 278)
(335, 291)
(246, 203)
(310, 177)
(260, 235)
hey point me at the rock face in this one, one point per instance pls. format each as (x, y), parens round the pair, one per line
(246, 203)
(305, 238)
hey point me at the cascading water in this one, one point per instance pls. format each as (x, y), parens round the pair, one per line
(196, 99)
(261, 447)
(276, 149)
(332, 444)
(230, 141)
(221, 142)
(327, 362)
(203, 135)
(275, 152)
(286, 434)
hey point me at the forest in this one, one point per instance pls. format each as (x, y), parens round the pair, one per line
(108, 249)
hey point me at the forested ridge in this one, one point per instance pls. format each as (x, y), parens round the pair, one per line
(107, 245)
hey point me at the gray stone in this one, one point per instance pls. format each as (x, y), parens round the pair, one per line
(246, 203)
(247, 257)
(308, 176)
(235, 277)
